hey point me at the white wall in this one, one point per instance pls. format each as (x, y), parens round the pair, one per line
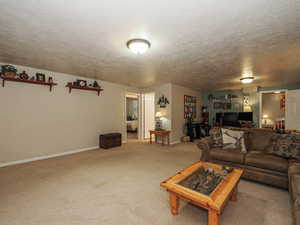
(166, 90)
(35, 122)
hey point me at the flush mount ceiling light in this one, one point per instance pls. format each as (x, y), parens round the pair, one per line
(247, 80)
(138, 46)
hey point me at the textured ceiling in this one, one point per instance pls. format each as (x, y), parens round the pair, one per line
(202, 44)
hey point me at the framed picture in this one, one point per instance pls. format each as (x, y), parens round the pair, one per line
(226, 106)
(190, 103)
(40, 77)
(218, 105)
(82, 83)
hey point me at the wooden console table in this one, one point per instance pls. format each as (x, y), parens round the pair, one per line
(162, 133)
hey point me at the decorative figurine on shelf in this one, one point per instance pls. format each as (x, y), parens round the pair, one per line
(50, 80)
(40, 77)
(163, 101)
(32, 78)
(90, 85)
(75, 83)
(82, 83)
(69, 84)
(9, 71)
(24, 75)
(96, 85)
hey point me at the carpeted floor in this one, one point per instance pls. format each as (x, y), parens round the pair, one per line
(121, 187)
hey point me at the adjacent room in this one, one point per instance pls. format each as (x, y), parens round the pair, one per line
(149, 112)
(273, 109)
(132, 118)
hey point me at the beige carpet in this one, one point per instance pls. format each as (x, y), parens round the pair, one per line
(121, 186)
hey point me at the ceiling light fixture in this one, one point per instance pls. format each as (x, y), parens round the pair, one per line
(138, 46)
(247, 80)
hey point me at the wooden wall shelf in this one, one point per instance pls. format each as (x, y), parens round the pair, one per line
(98, 90)
(50, 84)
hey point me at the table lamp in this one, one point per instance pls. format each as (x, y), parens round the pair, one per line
(265, 117)
(158, 122)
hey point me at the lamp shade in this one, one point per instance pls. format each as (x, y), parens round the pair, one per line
(158, 114)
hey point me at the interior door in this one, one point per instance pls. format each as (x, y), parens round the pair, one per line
(293, 110)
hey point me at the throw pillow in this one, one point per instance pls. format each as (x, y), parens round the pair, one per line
(216, 136)
(287, 146)
(234, 139)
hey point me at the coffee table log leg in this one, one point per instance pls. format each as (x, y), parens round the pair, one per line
(213, 218)
(234, 194)
(174, 203)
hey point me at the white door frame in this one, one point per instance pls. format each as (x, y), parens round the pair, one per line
(260, 103)
(143, 112)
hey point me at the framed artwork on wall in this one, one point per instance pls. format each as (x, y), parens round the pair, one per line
(227, 106)
(218, 105)
(190, 103)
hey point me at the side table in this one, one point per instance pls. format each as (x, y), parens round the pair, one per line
(162, 133)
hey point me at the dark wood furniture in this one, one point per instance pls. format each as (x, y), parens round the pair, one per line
(98, 90)
(193, 130)
(50, 84)
(110, 140)
(162, 134)
(215, 202)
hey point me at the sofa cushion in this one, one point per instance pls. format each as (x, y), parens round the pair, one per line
(260, 138)
(216, 137)
(229, 155)
(247, 136)
(233, 139)
(266, 161)
(286, 146)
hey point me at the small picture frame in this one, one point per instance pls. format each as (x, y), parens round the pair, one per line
(40, 77)
(226, 106)
(218, 105)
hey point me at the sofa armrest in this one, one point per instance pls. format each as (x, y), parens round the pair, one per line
(294, 169)
(204, 145)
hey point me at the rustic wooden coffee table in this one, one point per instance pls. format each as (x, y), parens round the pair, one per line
(214, 202)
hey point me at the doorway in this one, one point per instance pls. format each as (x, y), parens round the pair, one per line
(272, 109)
(132, 116)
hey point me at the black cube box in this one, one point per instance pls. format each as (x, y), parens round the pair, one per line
(110, 140)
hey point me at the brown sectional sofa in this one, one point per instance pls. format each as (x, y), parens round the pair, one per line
(258, 164)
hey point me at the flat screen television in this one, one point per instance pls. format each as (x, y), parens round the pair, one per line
(230, 119)
(246, 116)
(233, 118)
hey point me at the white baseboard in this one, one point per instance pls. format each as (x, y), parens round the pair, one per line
(47, 156)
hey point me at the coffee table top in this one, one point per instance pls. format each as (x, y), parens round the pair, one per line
(219, 193)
